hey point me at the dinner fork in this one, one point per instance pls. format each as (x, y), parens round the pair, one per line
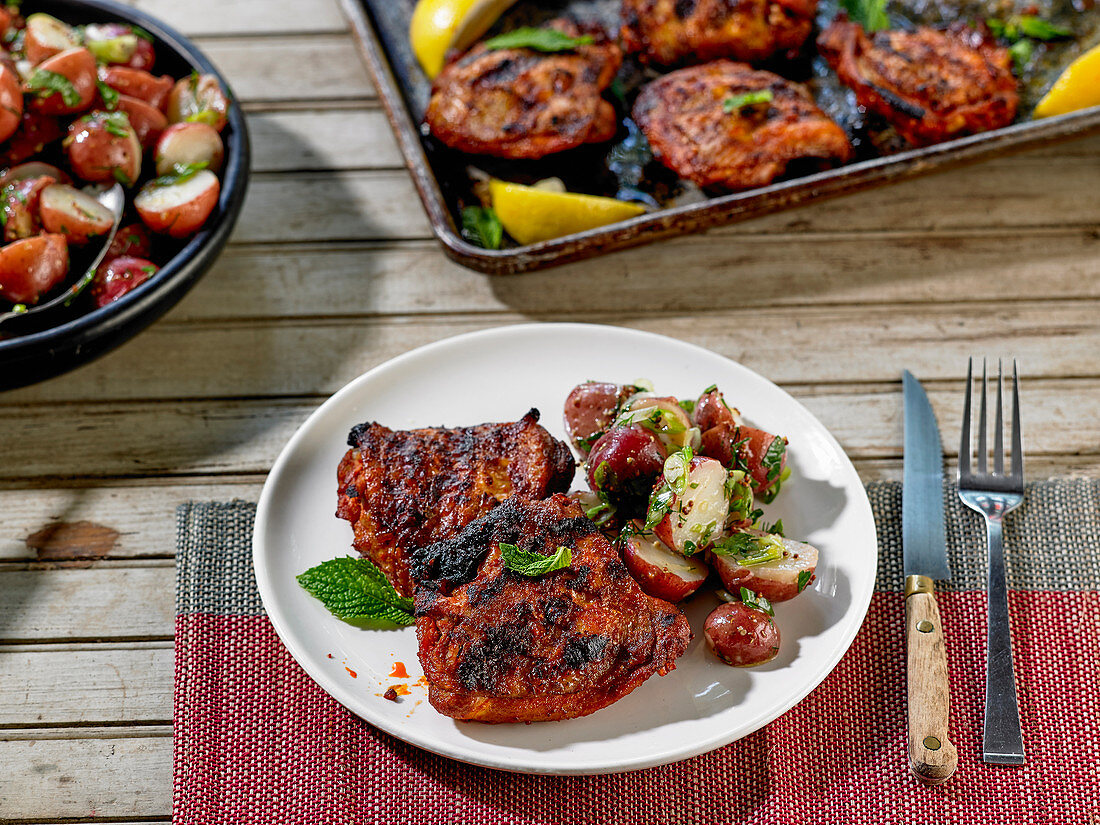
(994, 494)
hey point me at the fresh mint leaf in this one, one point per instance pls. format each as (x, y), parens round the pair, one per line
(1039, 29)
(109, 95)
(541, 40)
(356, 591)
(1021, 52)
(47, 83)
(804, 577)
(482, 227)
(533, 564)
(750, 599)
(116, 123)
(871, 14)
(739, 102)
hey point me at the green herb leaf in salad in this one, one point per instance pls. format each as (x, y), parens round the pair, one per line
(756, 602)
(356, 591)
(541, 40)
(109, 95)
(533, 564)
(804, 577)
(180, 173)
(46, 83)
(748, 549)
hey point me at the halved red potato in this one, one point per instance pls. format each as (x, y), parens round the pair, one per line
(663, 415)
(148, 122)
(72, 213)
(188, 143)
(46, 36)
(740, 635)
(659, 571)
(144, 55)
(64, 84)
(6, 19)
(31, 267)
(624, 463)
(695, 505)
(589, 408)
(138, 83)
(765, 457)
(712, 410)
(104, 148)
(111, 42)
(131, 240)
(777, 580)
(178, 209)
(198, 99)
(20, 206)
(33, 169)
(117, 276)
(35, 132)
(11, 101)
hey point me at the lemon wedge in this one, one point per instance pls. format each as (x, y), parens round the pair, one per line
(538, 213)
(1078, 87)
(441, 25)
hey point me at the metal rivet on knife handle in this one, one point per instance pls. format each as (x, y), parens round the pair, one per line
(925, 626)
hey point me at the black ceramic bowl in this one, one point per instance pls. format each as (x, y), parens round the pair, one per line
(34, 356)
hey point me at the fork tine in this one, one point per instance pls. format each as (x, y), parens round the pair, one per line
(998, 434)
(964, 446)
(1017, 435)
(983, 447)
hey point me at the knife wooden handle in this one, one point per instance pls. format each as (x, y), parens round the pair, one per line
(932, 757)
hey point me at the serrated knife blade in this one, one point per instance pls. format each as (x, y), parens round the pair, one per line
(924, 543)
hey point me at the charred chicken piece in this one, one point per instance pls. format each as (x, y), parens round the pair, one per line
(930, 85)
(498, 646)
(409, 488)
(699, 126)
(676, 32)
(522, 103)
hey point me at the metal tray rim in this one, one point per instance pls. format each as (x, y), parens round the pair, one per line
(721, 210)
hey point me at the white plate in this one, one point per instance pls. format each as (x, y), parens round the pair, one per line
(497, 375)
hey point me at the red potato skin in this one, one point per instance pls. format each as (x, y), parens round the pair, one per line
(132, 241)
(31, 267)
(11, 101)
(95, 154)
(635, 458)
(6, 20)
(753, 454)
(35, 50)
(79, 67)
(138, 83)
(183, 220)
(711, 411)
(144, 56)
(33, 169)
(148, 122)
(590, 407)
(741, 636)
(202, 97)
(659, 571)
(20, 205)
(117, 276)
(35, 132)
(775, 585)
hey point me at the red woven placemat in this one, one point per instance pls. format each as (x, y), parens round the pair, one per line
(258, 742)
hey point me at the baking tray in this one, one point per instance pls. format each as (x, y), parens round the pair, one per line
(442, 181)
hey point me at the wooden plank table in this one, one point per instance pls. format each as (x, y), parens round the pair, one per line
(331, 271)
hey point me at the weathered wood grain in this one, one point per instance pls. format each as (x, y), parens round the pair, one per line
(123, 775)
(117, 601)
(245, 436)
(355, 138)
(142, 518)
(94, 684)
(805, 345)
(198, 18)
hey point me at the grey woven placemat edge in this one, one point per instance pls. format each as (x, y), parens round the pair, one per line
(1051, 543)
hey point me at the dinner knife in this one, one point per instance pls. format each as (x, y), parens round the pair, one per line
(932, 757)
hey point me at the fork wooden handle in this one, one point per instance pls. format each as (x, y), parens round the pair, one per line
(932, 757)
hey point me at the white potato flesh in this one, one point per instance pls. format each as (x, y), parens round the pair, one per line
(696, 515)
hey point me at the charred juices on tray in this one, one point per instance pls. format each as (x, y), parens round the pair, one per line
(675, 483)
(80, 108)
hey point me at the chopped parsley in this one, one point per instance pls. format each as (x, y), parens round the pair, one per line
(748, 549)
(47, 83)
(804, 577)
(750, 599)
(772, 462)
(109, 95)
(180, 172)
(533, 564)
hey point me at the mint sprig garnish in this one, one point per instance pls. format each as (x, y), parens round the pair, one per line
(541, 40)
(356, 591)
(533, 564)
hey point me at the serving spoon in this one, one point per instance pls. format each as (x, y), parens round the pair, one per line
(114, 199)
